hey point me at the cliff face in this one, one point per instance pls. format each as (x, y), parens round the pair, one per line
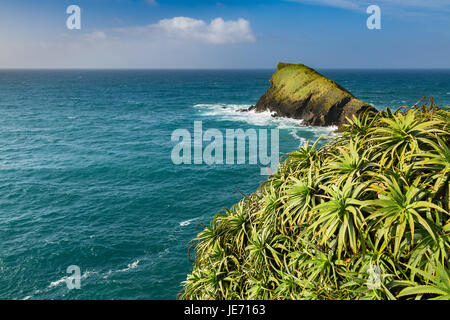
(300, 92)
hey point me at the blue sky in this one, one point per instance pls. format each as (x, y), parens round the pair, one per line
(224, 34)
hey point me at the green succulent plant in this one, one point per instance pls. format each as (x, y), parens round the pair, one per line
(363, 216)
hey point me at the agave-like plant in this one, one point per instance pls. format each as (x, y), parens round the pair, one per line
(363, 216)
(340, 216)
(303, 158)
(401, 134)
(359, 127)
(437, 160)
(301, 198)
(348, 161)
(400, 206)
(437, 285)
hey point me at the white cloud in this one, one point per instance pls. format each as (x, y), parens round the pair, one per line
(94, 36)
(179, 42)
(218, 31)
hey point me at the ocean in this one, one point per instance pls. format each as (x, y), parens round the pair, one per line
(87, 178)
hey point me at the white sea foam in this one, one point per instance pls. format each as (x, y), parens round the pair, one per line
(57, 282)
(129, 267)
(187, 222)
(296, 136)
(63, 279)
(132, 265)
(231, 112)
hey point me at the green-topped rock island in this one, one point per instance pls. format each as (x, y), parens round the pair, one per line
(300, 92)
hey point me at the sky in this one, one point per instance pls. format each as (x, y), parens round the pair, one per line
(225, 34)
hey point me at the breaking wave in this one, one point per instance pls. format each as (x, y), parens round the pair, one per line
(232, 112)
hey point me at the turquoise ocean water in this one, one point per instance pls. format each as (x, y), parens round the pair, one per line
(86, 176)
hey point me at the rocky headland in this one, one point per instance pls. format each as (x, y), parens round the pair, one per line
(299, 92)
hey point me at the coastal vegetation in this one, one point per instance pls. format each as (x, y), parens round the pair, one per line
(363, 216)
